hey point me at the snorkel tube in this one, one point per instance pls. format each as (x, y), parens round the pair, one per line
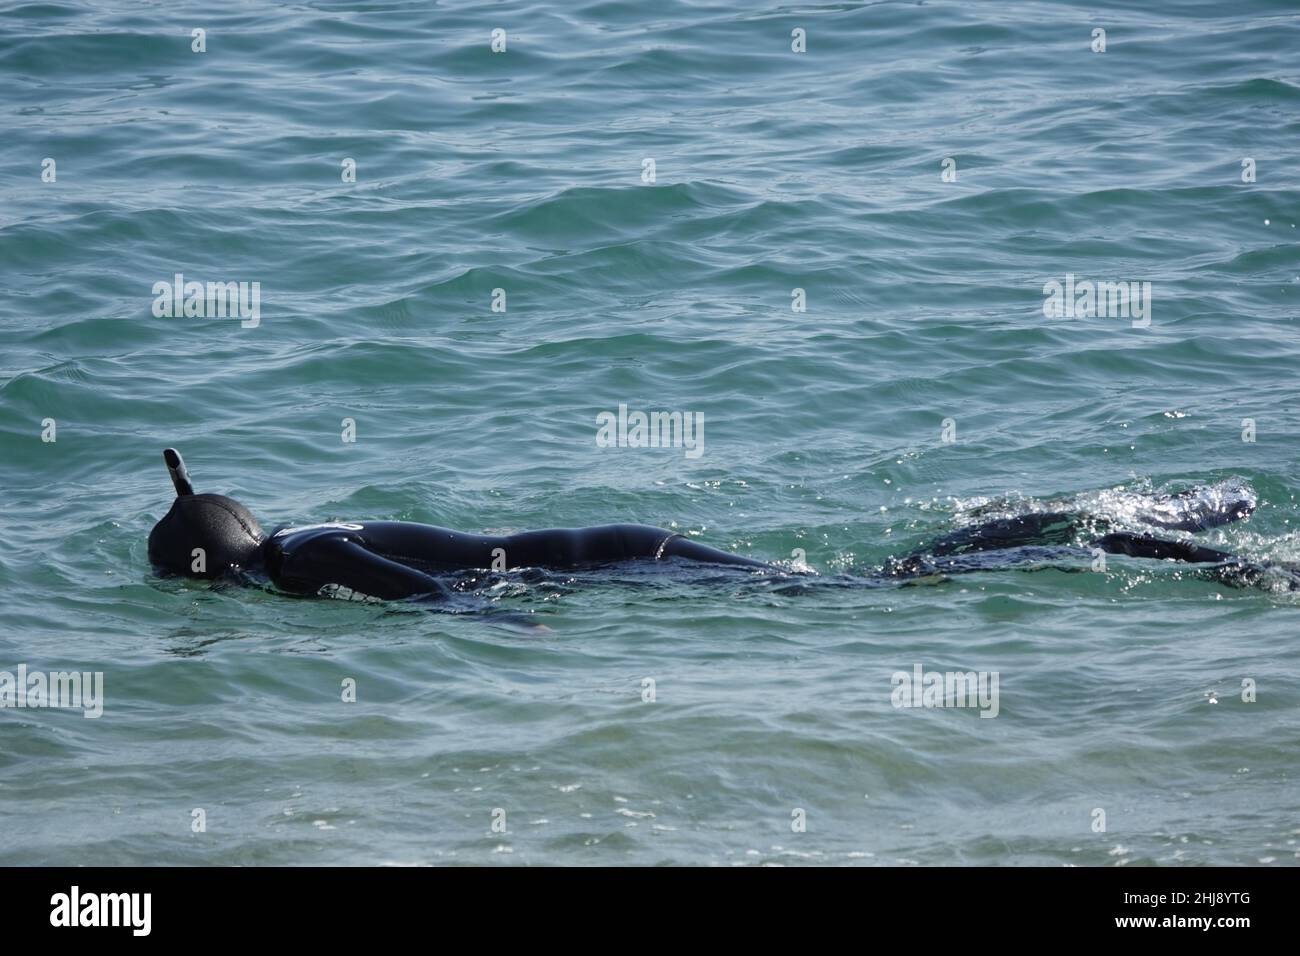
(176, 468)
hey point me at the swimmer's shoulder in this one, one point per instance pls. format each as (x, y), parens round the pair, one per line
(375, 534)
(292, 537)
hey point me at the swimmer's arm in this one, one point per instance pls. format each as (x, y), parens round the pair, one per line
(348, 564)
(1146, 546)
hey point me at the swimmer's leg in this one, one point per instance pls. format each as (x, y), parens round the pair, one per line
(1253, 574)
(1146, 546)
(922, 566)
(1037, 528)
(1224, 567)
(1194, 509)
(1200, 508)
(1029, 537)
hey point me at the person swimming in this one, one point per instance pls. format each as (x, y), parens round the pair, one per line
(212, 536)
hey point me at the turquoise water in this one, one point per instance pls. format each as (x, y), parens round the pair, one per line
(523, 171)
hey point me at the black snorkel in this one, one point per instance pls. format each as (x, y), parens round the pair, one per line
(176, 468)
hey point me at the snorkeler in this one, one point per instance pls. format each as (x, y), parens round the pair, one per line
(212, 536)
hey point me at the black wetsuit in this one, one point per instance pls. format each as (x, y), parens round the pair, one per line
(1044, 535)
(398, 559)
(211, 536)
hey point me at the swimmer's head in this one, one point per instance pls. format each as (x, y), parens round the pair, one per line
(203, 536)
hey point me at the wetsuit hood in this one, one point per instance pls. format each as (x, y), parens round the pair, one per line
(203, 536)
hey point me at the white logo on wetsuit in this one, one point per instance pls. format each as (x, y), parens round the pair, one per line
(343, 593)
(312, 527)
